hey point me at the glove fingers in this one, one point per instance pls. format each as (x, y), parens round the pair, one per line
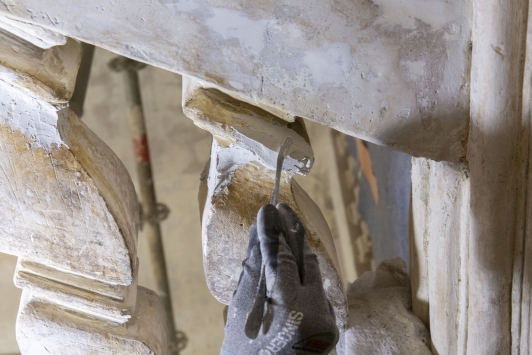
(251, 271)
(288, 281)
(269, 227)
(312, 269)
(251, 266)
(254, 319)
(295, 236)
(253, 239)
(308, 264)
(280, 265)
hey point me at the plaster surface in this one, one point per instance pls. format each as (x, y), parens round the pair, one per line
(392, 72)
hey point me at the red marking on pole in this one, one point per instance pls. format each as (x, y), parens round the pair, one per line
(142, 152)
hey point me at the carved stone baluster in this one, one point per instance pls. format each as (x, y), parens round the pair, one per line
(239, 179)
(68, 211)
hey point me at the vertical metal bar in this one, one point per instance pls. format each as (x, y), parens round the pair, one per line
(150, 212)
(82, 80)
(283, 152)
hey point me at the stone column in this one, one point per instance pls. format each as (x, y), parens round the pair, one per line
(471, 230)
(68, 210)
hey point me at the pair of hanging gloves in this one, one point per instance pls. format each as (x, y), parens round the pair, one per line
(279, 306)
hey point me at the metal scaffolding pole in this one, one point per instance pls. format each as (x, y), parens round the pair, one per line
(152, 212)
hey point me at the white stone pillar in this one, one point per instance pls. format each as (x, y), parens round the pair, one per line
(471, 240)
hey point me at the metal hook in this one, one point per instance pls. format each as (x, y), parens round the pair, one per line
(283, 152)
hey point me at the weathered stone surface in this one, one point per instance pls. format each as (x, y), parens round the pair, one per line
(231, 207)
(47, 328)
(66, 200)
(76, 212)
(239, 180)
(257, 131)
(471, 235)
(441, 232)
(115, 303)
(229, 213)
(392, 72)
(40, 54)
(68, 210)
(380, 317)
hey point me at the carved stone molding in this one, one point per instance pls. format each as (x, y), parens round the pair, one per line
(69, 211)
(239, 179)
(393, 73)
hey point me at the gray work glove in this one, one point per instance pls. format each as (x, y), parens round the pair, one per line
(279, 306)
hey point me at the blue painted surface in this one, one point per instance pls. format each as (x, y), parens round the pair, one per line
(387, 221)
